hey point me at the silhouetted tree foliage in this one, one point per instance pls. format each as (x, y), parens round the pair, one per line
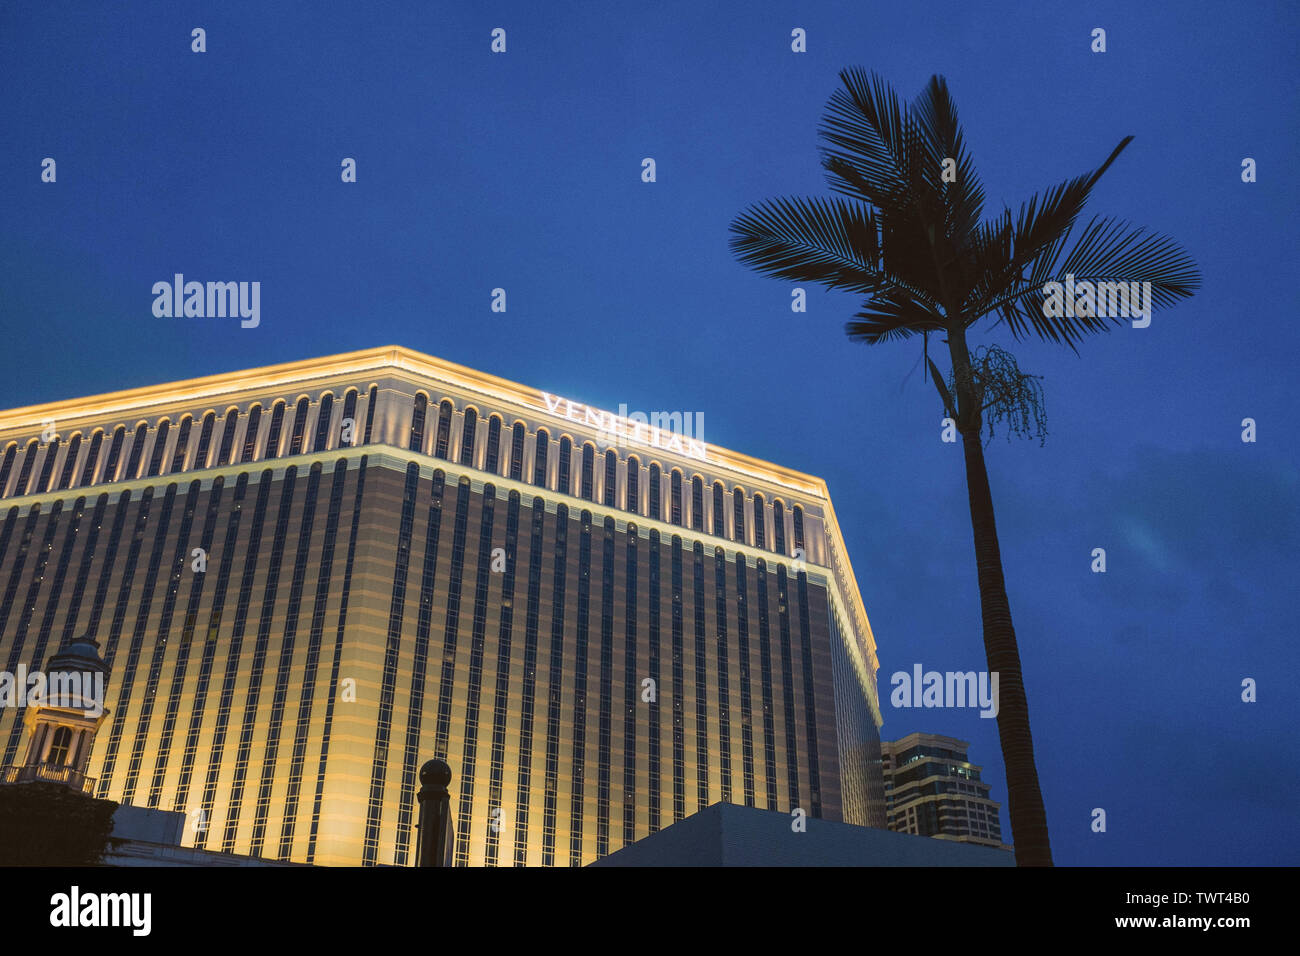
(48, 824)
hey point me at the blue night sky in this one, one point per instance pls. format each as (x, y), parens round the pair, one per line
(522, 171)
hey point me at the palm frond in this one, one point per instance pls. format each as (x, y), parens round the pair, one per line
(874, 151)
(831, 241)
(936, 115)
(1046, 218)
(810, 240)
(892, 156)
(891, 315)
(1107, 250)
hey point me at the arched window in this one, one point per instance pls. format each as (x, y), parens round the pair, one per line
(655, 505)
(250, 434)
(760, 521)
(517, 433)
(371, 402)
(182, 445)
(675, 502)
(492, 455)
(443, 439)
(60, 746)
(349, 414)
(611, 476)
(92, 458)
(273, 433)
(227, 437)
(7, 465)
(719, 510)
(159, 448)
(228, 429)
(468, 429)
(137, 449)
(633, 502)
(697, 503)
(588, 481)
(539, 457)
(778, 526)
(323, 422)
(564, 483)
(69, 463)
(796, 513)
(47, 465)
(416, 442)
(299, 426)
(200, 455)
(114, 453)
(25, 470)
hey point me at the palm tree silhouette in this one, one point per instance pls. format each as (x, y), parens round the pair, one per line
(909, 237)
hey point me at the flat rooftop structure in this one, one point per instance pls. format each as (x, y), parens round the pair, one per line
(725, 834)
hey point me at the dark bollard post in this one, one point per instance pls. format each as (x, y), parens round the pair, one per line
(433, 846)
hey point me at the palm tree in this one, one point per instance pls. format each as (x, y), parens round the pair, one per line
(909, 237)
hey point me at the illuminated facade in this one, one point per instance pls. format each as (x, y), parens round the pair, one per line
(933, 790)
(307, 579)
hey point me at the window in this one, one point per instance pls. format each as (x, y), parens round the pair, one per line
(114, 454)
(633, 503)
(656, 506)
(443, 440)
(778, 526)
(760, 520)
(492, 457)
(517, 433)
(371, 402)
(137, 449)
(250, 435)
(69, 463)
(738, 502)
(416, 442)
(200, 456)
(47, 466)
(60, 746)
(588, 471)
(323, 422)
(159, 448)
(349, 414)
(6, 465)
(697, 503)
(227, 437)
(676, 501)
(564, 484)
(796, 514)
(273, 434)
(611, 476)
(92, 459)
(539, 457)
(719, 509)
(299, 426)
(468, 430)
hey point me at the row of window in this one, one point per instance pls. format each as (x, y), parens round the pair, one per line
(587, 473)
(214, 441)
(169, 447)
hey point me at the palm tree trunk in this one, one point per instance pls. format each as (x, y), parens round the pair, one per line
(1024, 799)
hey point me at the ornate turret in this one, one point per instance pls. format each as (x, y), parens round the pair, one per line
(63, 714)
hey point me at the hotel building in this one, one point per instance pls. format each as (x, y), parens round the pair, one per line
(307, 579)
(932, 790)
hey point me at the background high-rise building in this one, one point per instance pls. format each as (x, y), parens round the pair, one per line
(307, 579)
(932, 790)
